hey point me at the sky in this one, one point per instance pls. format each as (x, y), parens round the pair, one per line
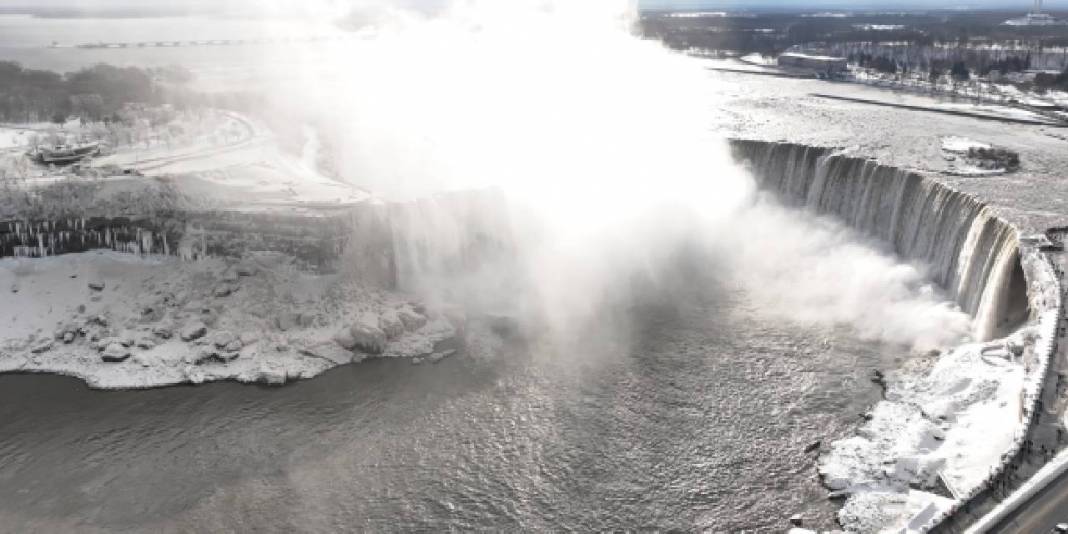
(847, 4)
(648, 4)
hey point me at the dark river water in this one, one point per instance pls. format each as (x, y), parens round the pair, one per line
(701, 424)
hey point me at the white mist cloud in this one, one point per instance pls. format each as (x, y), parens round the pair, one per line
(817, 270)
(599, 144)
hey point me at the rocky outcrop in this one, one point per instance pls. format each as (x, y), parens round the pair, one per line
(194, 331)
(367, 336)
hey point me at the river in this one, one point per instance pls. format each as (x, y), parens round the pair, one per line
(700, 423)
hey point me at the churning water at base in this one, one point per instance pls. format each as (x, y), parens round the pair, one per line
(700, 424)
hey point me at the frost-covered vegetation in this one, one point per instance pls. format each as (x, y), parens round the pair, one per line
(96, 93)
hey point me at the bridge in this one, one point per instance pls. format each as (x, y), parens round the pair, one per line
(207, 42)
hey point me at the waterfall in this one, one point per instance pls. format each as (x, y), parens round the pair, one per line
(970, 252)
(451, 246)
(447, 235)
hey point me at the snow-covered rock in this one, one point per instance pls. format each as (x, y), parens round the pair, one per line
(190, 335)
(345, 339)
(329, 351)
(411, 319)
(367, 335)
(271, 374)
(115, 352)
(193, 331)
(41, 347)
(390, 324)
(287, 321)
(225, 340)
(948, 424)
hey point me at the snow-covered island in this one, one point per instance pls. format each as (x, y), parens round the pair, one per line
(121, 321)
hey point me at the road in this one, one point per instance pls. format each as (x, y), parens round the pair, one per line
(1041, 513)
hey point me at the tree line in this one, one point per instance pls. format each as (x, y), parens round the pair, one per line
(95, 93)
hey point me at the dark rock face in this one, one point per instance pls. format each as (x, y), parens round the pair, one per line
(318, 237)
(49, 237)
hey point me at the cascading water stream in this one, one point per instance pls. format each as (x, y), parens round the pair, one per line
(969, 251)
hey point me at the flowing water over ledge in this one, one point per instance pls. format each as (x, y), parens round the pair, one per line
(972, 253)
(978, 258)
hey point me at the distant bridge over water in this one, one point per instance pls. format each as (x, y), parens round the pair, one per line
(207, 42)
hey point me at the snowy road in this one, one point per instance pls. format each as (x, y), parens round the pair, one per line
(1041, 513)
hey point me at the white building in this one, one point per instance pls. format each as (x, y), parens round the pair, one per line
(827, 64)
(1035, 18)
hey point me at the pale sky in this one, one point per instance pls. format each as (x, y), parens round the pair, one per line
(682, 4)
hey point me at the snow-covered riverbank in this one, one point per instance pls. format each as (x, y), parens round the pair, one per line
(122, 321)
(943, 427)
(948, 425)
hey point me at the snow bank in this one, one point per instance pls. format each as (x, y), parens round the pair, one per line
(961, 145)
(950, 428)
(13, 138)
(121, 321)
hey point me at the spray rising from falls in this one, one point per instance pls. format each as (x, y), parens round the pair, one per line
(970, 252)
(595, 145)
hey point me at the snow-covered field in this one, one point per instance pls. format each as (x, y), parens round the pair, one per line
(239, 159)
(125, 321)
(213, 158)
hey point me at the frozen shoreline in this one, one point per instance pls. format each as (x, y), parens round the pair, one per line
(945, 431)
(938, 429)
(121, 321)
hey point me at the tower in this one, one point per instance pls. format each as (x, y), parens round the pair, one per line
(1038, 7)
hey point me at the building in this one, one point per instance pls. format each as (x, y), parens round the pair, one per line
(1035, 18)
(822, 64)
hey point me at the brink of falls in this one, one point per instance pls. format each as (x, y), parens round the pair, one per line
(971, 252)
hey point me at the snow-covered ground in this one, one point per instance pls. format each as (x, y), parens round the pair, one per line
(994, 110)
(212, 157)
(237, 160)
(979, 98)
(19, 137)
(947, 425)
(949, 422)
(125, 321)
(12, 138)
